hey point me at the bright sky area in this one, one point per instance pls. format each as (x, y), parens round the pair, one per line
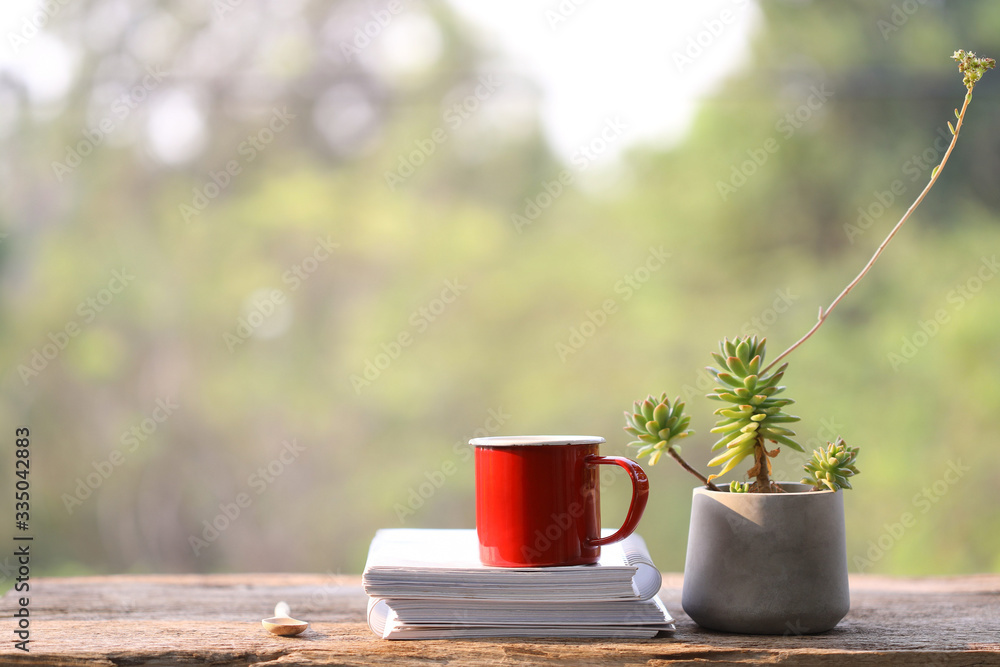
(642, 64)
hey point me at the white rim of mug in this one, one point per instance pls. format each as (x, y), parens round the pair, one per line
(535, 440)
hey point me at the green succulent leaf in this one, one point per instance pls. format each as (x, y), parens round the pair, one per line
(783, 440)
(743, 351)
(740, 442)
(728, 379)
(727, 427)
(782, 419)
(644, 450)
(722, 442)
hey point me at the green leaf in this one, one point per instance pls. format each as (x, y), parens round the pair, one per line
(728, 427)
(727, 455)
(781, 419)
(742, 439)
(733, 462)
(743, 353)
(630, 421)
(729, 379)
(780, 439)
(723, 442)
(772, 379)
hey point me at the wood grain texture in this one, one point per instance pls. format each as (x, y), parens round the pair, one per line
(189, 619)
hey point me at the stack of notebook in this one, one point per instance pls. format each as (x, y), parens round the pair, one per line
(430, 584)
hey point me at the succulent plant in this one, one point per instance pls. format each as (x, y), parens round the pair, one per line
(831, 468)
(654, 424)
(753, 414)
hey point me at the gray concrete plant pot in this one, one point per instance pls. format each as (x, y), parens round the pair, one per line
(767, 563)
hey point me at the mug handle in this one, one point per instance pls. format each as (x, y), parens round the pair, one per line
(640, 494)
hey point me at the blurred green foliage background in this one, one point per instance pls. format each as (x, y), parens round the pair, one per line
(312, 343)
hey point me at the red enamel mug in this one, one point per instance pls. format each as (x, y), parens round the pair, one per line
(538, 500)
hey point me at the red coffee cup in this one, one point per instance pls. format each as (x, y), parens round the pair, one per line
(538, 500)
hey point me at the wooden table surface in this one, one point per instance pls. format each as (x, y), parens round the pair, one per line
(215, 619)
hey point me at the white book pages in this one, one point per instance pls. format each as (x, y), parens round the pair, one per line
(444, 563)
(647, 622)
(413, 611)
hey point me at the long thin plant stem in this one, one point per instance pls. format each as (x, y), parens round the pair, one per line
(823, 314)
(684, 464)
